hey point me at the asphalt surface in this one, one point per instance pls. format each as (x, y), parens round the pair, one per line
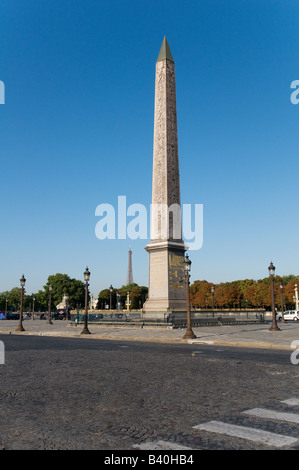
(135, 388)
(61, 393)
(247, 335)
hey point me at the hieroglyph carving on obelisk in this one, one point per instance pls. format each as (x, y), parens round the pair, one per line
(166, 248)
(165, 223)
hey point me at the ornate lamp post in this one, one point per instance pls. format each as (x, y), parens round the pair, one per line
(111, 290)
(85, 330)
(6, 302)
(66, 307)
(118, 301)
(296, 297)
(274, 326)
(189, 333)
(281, 300)
(213, 292)
(49, 322)
(20, 326)
(33, 300)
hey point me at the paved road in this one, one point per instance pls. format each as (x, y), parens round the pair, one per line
(65, 393)
(253, 335)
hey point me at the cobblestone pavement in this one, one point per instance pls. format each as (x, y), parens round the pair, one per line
(64, 393)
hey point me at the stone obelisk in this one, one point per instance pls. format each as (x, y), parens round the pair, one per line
(166, 248)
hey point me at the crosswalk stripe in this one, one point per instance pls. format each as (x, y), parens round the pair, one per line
(160, 445)
(291, 401)
(271, 414)
(252, 434)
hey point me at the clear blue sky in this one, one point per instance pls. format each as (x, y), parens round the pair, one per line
(77, 131)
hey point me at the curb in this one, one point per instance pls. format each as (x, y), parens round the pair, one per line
(94, 336)
(243, 344)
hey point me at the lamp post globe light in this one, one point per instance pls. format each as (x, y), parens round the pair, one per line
(85, 330)
(274, 326)
(20, 325)
(189, 333)
(49, 322)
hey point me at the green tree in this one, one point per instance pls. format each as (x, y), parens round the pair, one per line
(123, 290)
(14, 298)
(137, 296)
(235, 293)
(62, 285)
(41, 301)
(137, 293)
(104, 298)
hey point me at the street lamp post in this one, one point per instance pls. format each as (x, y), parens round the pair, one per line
(281, 300)
(6, 302)
(66, 307)
(85, 330)
(20, 326)
(274, 326)
(110, 290)
(189, 333)
(49, 322)
(296, 297)
(213, 292)
(117, 301)
(33, 300)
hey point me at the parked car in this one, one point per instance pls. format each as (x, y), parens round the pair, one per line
(289, 315)
(59, 314)
(9, 316)
(12, 316)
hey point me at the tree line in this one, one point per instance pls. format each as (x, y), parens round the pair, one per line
(247, 293)
(62, 285)
(137, 296)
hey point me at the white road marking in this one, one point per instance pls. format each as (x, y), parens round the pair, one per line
(252, 434)
(271, 414)
(291, 401)
(160, 445)
(200, 341)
